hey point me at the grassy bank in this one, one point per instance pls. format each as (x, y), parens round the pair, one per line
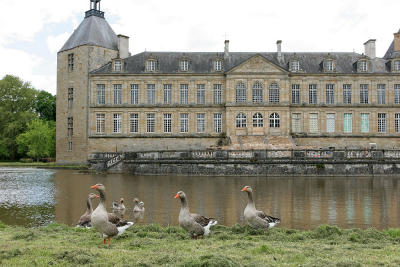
(50, 165)
(152, 245)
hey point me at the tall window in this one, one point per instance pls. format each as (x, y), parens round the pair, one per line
(397, 93)
(296, 122)
(312, 94)
(151, 123)
(382, 125)
(134, 123)
(70, 97)
(134, 94)
(201, 94)
(71, 62)
(117, 65)
(330, 94)
(167, 121)
(381, 94)
(217, 122)
(70, 131)
(364, 93)
(258, 120)
(100, 123)
(397, 122)
(364, 122)
(348, 123)
(241, 93)
(101, 94)
(184, 123)
(184, 65)
(70, 146)
(313, 123)
(241, 121)
(117, 94)
(330, 122)
(217, 93)
(396, 66)
(274, 121)
(184, 94)
(274, 96)
(151, 94)
(295, 93)
(117, 123)
(218, 65)
(167, 93)
(257, 92)
(151, 65)
(346, 93)
(201, 122)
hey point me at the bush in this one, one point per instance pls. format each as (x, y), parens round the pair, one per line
(26, 160)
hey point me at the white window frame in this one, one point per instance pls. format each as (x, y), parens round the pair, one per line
(313, 123)
(312, 94)
(167, 92)
(117, 123)
(117, 65)
(151, 65)
(134, 94)
(330, 122)
(296, 123)
(396, 65)
(328, 65)
(241, 92)
(134, 123)
(201, 94)
(274, 120)
(217, 94)
(295, 65)
(218, 65)
(397, 93)
(201, 122)
(184, 122)
(347, 122)
(365, 122)
(364, 93)
(167, 122)
(381, 90)
(362, 66)
(347, 94)
(397, 122)
(258, 120)
(217, 122)
(117, 94)
(382, 123)
(184, 65)
(150, 122)
(151, 94)
(295, 93)
(330, 94)
(184, 94)
(100, 123)
(274, 93)
(257, 92)
(101, 94)
(241, 120)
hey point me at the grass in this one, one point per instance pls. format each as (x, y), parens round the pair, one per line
(153, 245)
(49, 165)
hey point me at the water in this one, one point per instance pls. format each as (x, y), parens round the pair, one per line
(33, 197)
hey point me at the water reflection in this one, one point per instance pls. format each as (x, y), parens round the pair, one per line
(300, 202)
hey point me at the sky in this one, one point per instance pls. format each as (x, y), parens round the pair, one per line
(32, 32)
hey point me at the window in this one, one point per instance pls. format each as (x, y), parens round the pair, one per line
(151, 65)
(201, 94)
(397, 122)
(397, 93)
(151, 123)
(241, 121)
(70, 127)
(218, 65)
(167, 93)
(257, 92)
(328, 65)
(364, 93)
(241, 93)
(296, 122)
(167, 123)
(295, 65)
(330, 94)
(100, 123)
(70, 97)
(101, 94)
(117, 123)
(364, 122)
(117, 94)
(217, 94)
(312, 94)
(184, 123)
(151, 94)
(362, 66)
(184, 94)
(295, 93)
(134, 123)
(70, 62)
(274, 93)
(313, 123)
(381, 94)
(274, 121)
(382, 123)
(396, 65)
(184, 65)
(348, 123)
(217, 122)
(117, 65)
(201, 122)
(69, 146)
(134, 94)
(346, 93)
(330, 122)
(258, 120)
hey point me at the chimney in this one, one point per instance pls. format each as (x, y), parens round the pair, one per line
(370, 48)
(279, 50)
(123, 46)
(226, 52)
(396, 42)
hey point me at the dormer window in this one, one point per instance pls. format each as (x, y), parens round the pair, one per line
(294, 65)
(184, 65)
(396, 65)
(362, 66)
(117, 65)
(151, 65)
(218, 65)
(328, 65)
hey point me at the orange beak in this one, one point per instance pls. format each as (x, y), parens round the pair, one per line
(244, 189)
(94, 186)
(177, 195)
(135, 200)
(96, 196)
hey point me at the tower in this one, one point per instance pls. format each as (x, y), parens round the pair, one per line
(92, 45)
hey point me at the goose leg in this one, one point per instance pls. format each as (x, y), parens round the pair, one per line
(104, 241)
(109, 240)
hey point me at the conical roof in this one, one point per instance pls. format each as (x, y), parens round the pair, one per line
(94, 30)
(390, 53)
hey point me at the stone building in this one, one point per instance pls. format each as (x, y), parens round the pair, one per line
(110, 101)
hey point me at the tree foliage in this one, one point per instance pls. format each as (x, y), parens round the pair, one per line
(46, 106)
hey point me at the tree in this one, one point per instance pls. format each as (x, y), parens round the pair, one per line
(46, 106)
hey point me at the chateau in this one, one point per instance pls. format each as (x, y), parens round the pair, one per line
(111, 101)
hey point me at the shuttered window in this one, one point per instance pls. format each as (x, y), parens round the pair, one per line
(296, 122)
(365, 123)
(348, 123)
(313, 120)
(330, 123)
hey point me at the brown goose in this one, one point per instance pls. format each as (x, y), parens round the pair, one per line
(138, 210)
(195, 224)
(119, 206)
(256, 218)
(100, 217)
(84, 220)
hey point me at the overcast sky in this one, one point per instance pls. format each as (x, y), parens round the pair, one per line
(31, 32)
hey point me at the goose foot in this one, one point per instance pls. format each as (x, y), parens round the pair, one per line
(109, 240)
(104, 241)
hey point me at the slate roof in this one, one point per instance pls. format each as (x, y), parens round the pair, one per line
(93, 30)
(202, 62)
(390, 53)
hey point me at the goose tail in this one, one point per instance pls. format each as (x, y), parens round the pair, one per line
(122, 229)
(274, 222)
(208, 227)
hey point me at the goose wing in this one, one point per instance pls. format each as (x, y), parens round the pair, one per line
(203, 221)
(266, 217)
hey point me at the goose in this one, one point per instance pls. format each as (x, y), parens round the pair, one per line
(256, 218)
(120, 206)
(100, 218)
(195, 224)
(138, 209)
(84, 220)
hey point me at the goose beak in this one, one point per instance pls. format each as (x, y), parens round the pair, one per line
(177, 195)
(94, 186)
(244, 189)
(96, 196)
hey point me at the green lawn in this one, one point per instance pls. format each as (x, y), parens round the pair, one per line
(50, 165)
(152, 245)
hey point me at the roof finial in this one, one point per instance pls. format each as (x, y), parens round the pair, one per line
(94, 9)
(95, 4)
